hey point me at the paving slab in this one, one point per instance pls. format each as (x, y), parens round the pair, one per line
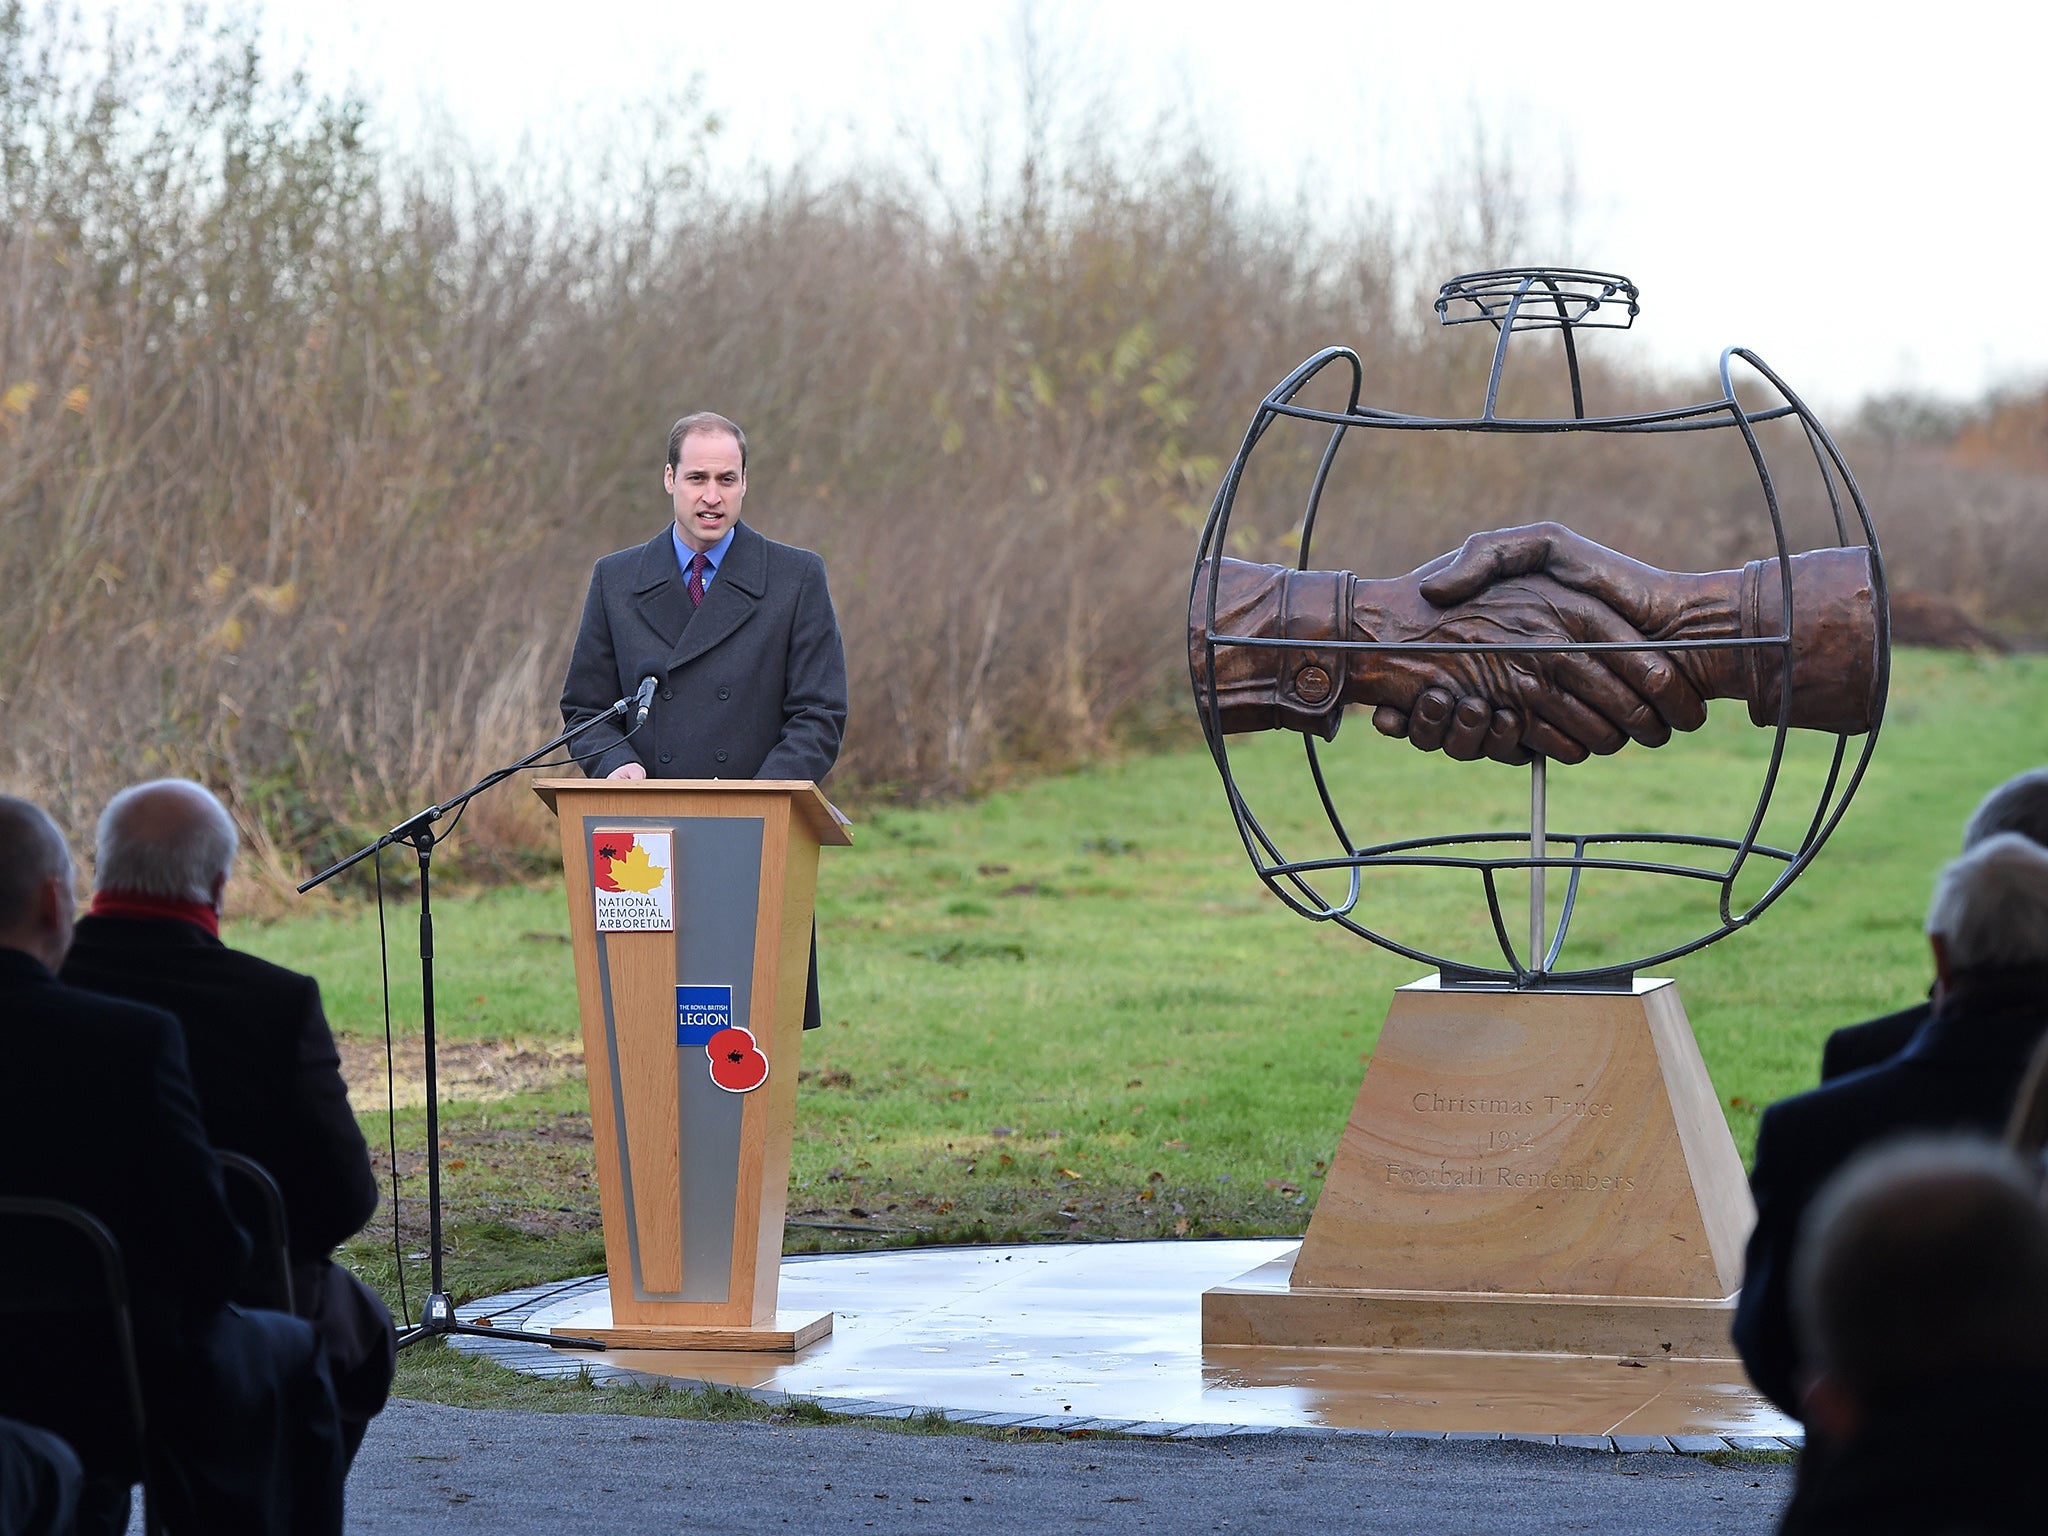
(1757, 1443)
(1698, 1445)
(1586, 1442)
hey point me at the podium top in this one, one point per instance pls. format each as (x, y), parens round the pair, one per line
(823, 818)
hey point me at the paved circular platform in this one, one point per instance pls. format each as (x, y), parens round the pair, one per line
(1107, 1337)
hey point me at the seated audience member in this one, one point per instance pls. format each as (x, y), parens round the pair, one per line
(101, 1114)
(40, 1480)
(2018, 805)
(262, 1057)
(1917, 1293)
(1988, 928)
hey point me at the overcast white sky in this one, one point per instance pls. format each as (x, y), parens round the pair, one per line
(1853, 190)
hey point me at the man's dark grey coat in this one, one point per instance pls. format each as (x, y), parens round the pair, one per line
(1958, 1073)
(753, 684)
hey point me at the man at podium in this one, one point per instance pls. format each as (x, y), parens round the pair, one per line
(736, 630)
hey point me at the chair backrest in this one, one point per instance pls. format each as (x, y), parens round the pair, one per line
(64, 1302)
(258, 1205)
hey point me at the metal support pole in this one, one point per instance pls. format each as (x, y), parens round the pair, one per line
(1538, 929)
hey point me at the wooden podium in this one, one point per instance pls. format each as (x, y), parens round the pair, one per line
(690, 911)
(1523, 1173)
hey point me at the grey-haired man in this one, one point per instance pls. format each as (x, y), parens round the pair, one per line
(262, 1057)
(1988, 928)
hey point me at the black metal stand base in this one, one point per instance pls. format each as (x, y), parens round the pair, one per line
(437, 1317)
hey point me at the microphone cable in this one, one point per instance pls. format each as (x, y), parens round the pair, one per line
(390, 1093)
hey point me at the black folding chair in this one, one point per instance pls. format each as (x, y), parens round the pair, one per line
(258, 1205)
(64, 1300)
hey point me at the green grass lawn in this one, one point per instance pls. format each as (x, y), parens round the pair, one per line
(1072, 1009)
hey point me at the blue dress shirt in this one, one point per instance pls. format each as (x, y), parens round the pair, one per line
(714, 554)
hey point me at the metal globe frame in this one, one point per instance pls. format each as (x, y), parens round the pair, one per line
(1514, 300)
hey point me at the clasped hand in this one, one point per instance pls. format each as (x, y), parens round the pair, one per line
(1540, 584)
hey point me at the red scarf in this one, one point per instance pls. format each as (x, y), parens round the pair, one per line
(127, 904)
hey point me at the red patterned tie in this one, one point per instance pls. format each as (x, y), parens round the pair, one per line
(699, 564)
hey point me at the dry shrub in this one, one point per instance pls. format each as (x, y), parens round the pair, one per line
(306, 446)
(2010, 433)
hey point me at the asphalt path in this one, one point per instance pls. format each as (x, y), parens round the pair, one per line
(426, 1468)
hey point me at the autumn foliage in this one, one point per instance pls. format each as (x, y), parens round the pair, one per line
(307, 444)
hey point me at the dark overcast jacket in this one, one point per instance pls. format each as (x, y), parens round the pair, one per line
(753, 684)
(1959, 1073)
(1856, 1046)
(101, 1113)
(262, 1057)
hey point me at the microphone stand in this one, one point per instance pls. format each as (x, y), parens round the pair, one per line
(437, 1312)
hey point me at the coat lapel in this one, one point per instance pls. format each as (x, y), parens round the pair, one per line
(742, 582)
(658, 588)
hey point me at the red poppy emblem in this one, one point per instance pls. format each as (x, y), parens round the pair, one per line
(738, 1065)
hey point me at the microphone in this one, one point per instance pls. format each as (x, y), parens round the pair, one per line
(644, 699)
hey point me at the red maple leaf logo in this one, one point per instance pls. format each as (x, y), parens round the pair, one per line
(738, 1065)
(608, 846)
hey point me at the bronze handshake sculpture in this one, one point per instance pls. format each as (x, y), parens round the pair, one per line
(1538, 585)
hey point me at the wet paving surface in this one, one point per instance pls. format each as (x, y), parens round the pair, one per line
(1109, 1334)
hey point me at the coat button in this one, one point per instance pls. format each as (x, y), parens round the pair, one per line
(666, 756)
(668, 693)
(718, 756)
(723, 693)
